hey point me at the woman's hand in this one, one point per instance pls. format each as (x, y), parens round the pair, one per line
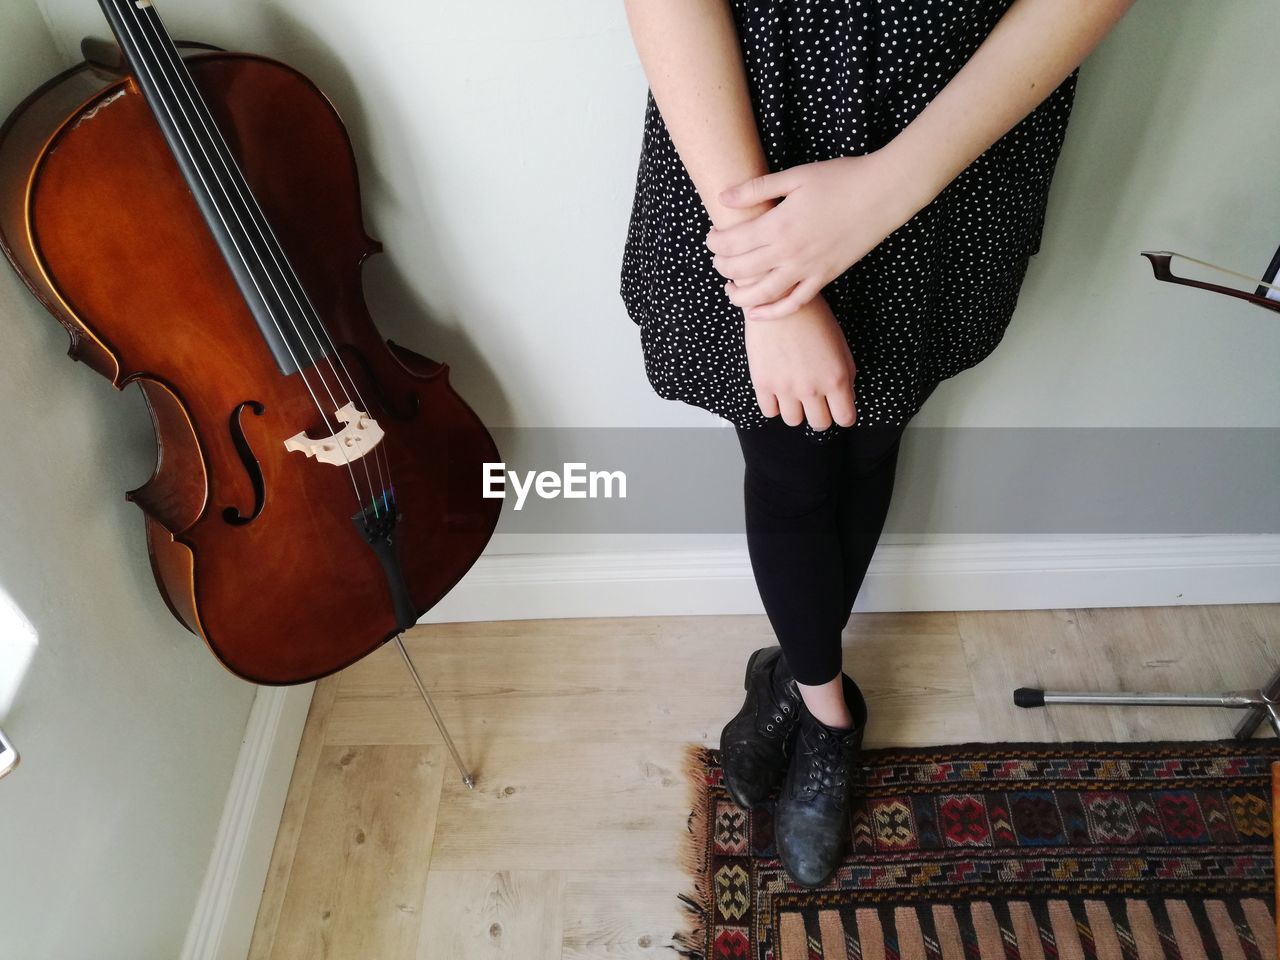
(832, 213)
(801, 367)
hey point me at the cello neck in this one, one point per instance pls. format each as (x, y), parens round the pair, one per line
(270, 286)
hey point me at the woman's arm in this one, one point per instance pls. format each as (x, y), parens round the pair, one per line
(836, 211)
(692, 59)
(1030, 51)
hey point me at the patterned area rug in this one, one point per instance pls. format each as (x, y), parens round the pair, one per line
(1085, 851)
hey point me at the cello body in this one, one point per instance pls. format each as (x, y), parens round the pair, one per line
(258, 548)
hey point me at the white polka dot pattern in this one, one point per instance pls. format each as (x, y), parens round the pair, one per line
(833, 78)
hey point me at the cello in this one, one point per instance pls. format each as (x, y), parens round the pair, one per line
(192, 217)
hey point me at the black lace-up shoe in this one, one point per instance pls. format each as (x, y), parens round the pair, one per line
(755, 744)
(811, 818)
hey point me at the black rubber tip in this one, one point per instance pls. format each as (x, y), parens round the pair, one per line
(1027, 697)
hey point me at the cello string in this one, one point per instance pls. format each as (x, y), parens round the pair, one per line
(227, 226)
(260, 222)
(139, 14)
(263, 226)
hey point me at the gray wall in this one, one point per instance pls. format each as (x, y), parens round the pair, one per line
(128, 728)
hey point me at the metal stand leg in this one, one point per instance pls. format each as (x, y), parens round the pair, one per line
(1246, 727)
(467, 778)
(1263, 704)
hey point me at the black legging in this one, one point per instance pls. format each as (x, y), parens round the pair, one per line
(814, 513)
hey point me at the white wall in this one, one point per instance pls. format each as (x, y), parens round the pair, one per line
(1167, 148)
(498, 146)
(128, 728)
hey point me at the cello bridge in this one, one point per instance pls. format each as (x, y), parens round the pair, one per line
(359, 435)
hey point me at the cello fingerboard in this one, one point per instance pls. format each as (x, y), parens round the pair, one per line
(271, 288)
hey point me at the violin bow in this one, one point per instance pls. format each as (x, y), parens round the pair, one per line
(1160, 265)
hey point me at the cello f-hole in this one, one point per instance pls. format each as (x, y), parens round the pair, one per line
(233, 515)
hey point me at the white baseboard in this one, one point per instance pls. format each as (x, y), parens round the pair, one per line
(961, 575)
(222, 923)
(989, 575)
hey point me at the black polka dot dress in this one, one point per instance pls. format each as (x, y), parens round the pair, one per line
(834, 78)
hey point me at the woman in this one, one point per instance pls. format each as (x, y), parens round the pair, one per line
(835, 207)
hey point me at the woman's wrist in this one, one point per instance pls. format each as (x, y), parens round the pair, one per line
(722, 217)
(817, 306)
(916, 179)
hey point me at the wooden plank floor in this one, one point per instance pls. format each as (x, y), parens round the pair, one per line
(567, 848)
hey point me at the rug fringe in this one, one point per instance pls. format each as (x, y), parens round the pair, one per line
(691, 942)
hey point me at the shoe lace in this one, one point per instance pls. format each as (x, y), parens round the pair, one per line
(829, 767)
